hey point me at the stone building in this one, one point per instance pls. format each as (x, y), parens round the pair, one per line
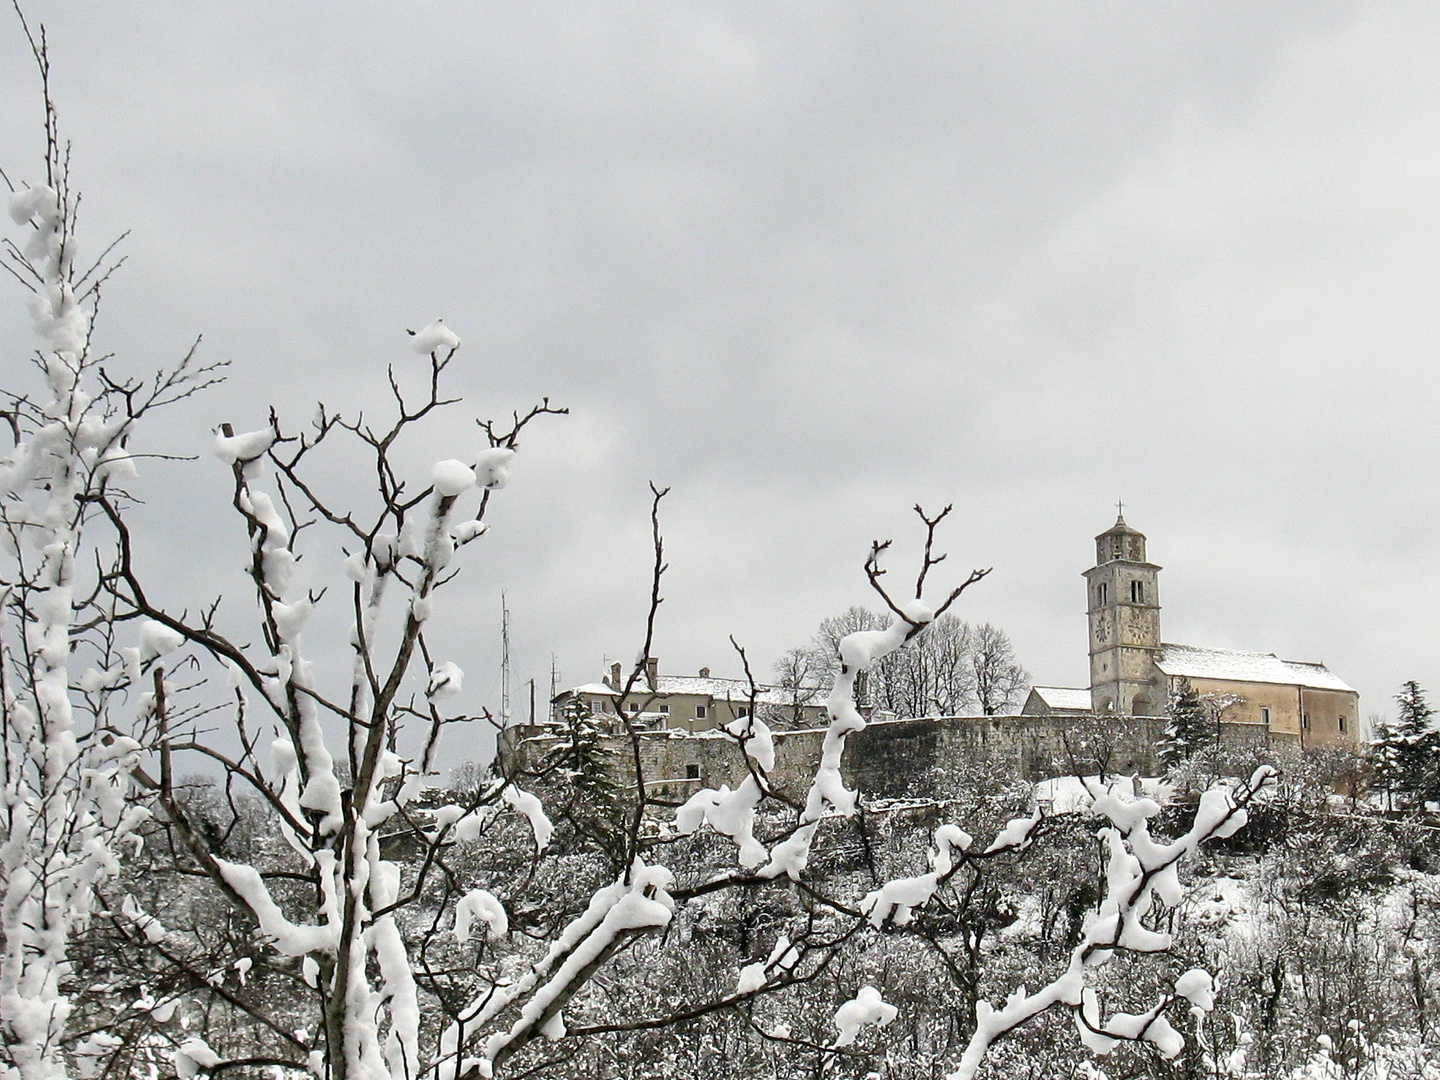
(1056, 701)
(1132, 672)
(693, 703)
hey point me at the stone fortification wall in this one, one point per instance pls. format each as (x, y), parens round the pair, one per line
(895, 759)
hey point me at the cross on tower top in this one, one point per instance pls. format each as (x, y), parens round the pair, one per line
(1119, 510)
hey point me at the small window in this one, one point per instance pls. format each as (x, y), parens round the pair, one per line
(1103, 592)
(1341, 721)
(1137, 592)
(700, 712)
(692, 772)
(1265, 715)
(597, 707)
(742, 712)
(664, 710)
(1305, 721)
(634, 708)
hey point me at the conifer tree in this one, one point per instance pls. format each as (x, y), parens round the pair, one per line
(1406, 754)
(1189, 726)
(583, 761)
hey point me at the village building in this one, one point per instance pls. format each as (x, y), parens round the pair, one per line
(693, 703)
(1133, 672)
(1056, 701)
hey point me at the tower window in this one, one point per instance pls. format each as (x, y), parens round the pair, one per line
(1137, 592)
(1265, 715)
(1342, 725)
(1103, 593)
(692, 772)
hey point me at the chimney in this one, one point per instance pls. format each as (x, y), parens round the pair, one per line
(652, 672)
(614, 679)
(704, 673)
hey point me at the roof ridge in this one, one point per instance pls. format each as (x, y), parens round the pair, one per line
(1214, 648)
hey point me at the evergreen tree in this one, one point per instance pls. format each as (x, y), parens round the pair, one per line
(582, 764)
(1406, 754)
(1190, 724)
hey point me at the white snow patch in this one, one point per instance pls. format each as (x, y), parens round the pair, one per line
(435, 336)
(451, 477)
(866, 1007)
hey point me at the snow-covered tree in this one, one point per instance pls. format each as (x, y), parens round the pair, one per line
(1188, 724)
(68, 751)
(576, 775)
(1141, 871)
(333, 800)
(1406, 755)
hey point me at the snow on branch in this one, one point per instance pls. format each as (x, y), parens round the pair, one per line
(68, 760)
(1139, 872)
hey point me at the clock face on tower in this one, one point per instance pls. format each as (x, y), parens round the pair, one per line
(1102, 630)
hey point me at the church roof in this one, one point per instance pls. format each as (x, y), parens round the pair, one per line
(1068, 698)
(1121, 526)
(1193, 662)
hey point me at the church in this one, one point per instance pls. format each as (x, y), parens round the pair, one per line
(1133, 672)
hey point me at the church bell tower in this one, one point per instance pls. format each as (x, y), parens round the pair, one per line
(1124, 610)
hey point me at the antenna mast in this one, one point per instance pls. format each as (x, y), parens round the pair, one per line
(504, 662)
(554, 686)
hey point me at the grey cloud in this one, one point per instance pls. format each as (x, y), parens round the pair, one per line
(809, 263)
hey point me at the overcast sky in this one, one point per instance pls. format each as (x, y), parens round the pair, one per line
(806, 264)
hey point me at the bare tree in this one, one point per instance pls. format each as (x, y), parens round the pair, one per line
(1000, 680)
(798, 677)
(933, 675)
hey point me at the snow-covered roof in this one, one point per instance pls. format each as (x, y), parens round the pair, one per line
(1193, 662)
(1064, 697)
(736, 690)
(598, 689)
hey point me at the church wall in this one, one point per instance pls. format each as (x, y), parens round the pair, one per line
(1282, 701)
(1324, 709)
(1288, 706)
